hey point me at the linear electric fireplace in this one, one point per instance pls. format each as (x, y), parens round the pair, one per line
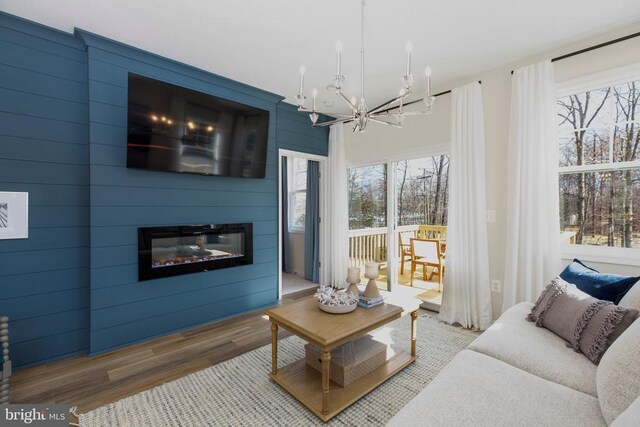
(184, 249)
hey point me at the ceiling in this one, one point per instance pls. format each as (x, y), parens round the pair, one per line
(263, 43)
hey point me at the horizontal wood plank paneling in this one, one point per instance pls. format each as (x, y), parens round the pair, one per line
(119, 176)
(124, 199)
(46, 107)
(31, 126)
(51, 347)
(45, 304)
(41, 194)
(44, 139)
(12, 263)
(121, 335)
(35, 172)
(134, 292)
(135, 311)
(295, 133)
(72, 286)
(37, 60)
(44, 282)
(16, 148)
(48, 238)
(51, 324)
(43, 84)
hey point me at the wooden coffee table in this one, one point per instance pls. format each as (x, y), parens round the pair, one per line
(327, 331)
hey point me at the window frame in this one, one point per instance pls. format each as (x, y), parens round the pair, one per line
(608, 78)
(292, 191)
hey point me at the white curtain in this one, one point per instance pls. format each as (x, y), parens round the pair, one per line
(533, 225)
(466, 291)
(336, 251)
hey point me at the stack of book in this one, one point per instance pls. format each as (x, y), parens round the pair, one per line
(367, 302)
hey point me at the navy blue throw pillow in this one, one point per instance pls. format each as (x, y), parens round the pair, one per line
(608, 287)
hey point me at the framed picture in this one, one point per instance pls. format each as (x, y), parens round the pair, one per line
(14, 215)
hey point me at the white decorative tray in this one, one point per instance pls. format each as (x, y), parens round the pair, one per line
(338, 309)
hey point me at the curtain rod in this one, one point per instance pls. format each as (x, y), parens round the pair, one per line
(598, 46)
(420, 100)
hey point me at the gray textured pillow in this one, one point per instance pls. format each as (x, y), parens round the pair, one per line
(588, 324)
(545, 299)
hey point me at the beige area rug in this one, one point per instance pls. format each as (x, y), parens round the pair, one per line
(239, 392)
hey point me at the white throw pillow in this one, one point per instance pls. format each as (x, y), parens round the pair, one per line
(632, 298)
(618, 375)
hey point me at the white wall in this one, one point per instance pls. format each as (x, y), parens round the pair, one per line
(296, 252)
(424, 134)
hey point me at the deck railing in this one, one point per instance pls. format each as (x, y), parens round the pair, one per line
(370, 244)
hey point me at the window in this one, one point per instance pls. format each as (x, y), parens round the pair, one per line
(421, 189)
(600, 164)
(297, 183)
(368, 197)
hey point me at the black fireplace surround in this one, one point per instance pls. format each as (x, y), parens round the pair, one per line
(184, 249)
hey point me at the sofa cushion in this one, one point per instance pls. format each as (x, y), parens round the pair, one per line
(478, 390)
(536, 350)
(632, 298)
(630, 417)
(589, 325)
(608, 287)
(618, 374)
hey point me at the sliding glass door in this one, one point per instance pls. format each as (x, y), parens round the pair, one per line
(368, 219)
(390, 203)
(420, 211)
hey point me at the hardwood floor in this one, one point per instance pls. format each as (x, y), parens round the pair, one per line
(91, 382)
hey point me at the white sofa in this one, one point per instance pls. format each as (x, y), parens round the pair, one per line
(517, 374)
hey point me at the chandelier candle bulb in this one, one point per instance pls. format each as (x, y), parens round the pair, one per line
(385, 114)
(338, 58)
(409, 49)
(302, 71)
(427, 72)
(315, 95)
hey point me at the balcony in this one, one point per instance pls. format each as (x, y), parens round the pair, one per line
(370, 245)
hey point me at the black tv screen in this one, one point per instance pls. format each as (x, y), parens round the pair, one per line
(171, 128)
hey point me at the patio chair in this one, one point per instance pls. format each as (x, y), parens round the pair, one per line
(405, 248)
(427, 253)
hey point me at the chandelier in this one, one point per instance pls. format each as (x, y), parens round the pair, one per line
(390, 113)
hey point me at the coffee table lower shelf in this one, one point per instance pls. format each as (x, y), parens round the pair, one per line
(305, 384)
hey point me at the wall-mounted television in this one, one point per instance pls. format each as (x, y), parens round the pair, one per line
(175, 129)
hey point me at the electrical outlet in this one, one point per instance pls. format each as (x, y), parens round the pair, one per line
(496, 286)
(491, 216)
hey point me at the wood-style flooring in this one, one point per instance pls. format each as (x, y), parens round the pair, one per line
(91, 382)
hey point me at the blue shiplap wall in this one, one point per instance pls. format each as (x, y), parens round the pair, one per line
(122, 309)
(72, 286)
(44, 280)
(294, 132)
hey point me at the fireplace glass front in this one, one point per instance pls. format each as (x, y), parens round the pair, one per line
(169, 251)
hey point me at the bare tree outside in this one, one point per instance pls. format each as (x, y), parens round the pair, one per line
(368, 197)
(599, 141)
(421, 188)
